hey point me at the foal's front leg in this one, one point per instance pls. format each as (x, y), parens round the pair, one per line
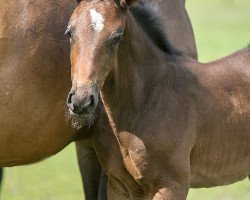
(160, 183)
(171, 178)
(169, 192)
(162, 172)
(168, 188)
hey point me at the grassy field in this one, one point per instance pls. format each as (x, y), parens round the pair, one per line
(221, 27)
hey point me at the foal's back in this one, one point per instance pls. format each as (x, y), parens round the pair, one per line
(221, 154)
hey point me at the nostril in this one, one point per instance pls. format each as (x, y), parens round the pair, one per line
(69, 101)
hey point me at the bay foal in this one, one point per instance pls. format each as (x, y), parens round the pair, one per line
(178, 123)
(34, 79)
(178, 27)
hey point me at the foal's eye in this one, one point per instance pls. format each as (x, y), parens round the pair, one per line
(116, 38)
(68, 32)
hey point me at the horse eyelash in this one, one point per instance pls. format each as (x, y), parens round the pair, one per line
(115, 39)
(116, 36)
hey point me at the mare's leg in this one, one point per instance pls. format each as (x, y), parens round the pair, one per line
(90, 169)
(102, 193)
(1, 175)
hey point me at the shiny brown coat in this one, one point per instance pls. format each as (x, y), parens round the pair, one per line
(178, 123)
(34, 81)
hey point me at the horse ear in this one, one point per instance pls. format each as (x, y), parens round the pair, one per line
(126, 3)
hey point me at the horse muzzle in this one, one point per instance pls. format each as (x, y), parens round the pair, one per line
(83, 100)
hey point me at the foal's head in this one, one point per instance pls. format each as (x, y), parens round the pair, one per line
(95, 29)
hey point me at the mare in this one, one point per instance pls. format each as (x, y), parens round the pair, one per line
(33, 66)
(179, 123)
(34, 80)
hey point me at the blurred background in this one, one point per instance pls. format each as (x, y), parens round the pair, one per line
(221, 27)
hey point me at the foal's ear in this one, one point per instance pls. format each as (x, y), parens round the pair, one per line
(126, 3)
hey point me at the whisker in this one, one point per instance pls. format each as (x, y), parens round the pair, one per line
(78, 122)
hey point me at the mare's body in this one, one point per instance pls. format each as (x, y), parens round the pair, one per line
(178, 123)
(176, 24)
(34, 80)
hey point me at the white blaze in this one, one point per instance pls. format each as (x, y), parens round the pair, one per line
(96, 20)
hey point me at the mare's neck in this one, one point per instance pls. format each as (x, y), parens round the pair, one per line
(139, 69)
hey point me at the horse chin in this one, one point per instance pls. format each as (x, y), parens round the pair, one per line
(79, 121)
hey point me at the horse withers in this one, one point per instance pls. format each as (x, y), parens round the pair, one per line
(179, 123)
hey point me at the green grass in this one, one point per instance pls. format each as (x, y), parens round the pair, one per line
(56, 178)
(221, 27)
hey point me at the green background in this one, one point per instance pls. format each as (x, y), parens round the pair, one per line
(221, 27)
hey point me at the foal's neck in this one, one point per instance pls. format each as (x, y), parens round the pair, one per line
(140, 66)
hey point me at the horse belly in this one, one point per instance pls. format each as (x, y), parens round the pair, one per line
(218, 163)
(211, 178)
(34, 80)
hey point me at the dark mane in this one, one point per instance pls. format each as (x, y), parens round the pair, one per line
(152, 26)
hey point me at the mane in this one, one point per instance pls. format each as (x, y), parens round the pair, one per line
(151, 24)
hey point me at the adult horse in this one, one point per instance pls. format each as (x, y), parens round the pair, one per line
(169, 113)
(33, 66)
(34, 80)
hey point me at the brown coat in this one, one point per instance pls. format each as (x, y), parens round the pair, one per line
(34, 80)
(178, 123)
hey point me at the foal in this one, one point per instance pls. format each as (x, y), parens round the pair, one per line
(179, 123)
